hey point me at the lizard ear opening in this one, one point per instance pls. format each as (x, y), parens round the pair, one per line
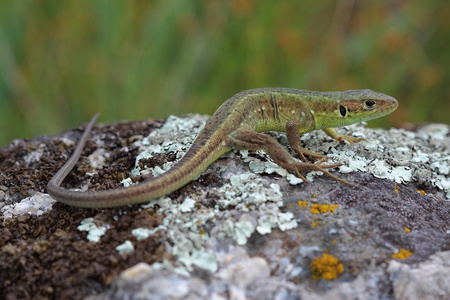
(343, 110)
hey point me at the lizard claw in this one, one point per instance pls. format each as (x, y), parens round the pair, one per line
(301, 176)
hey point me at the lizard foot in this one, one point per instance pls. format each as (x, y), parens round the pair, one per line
(318, 166)
(246, 139)
(349, 138)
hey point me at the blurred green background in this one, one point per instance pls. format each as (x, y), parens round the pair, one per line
(62, 61)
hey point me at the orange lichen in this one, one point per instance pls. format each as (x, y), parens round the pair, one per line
(326, 267)
(422, 192)
(407, 229)
(323, 208)
(316, 222)
(402, 254)
(396, 189)
(302, 203)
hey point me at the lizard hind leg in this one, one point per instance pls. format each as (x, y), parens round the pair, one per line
(249, 140)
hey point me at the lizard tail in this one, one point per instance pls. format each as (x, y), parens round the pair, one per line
(197, 159)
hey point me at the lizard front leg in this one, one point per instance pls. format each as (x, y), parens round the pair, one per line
(332, 133)
(248, 140)
(293, 136)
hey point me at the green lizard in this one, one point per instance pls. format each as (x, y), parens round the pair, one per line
(238, 124)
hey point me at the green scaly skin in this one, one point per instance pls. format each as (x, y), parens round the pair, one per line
(238, 124)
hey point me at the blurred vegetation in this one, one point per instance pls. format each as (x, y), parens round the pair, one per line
(62, 61)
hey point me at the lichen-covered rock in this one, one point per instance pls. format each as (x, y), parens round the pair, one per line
(245, 229)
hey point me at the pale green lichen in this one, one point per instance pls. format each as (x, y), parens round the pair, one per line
(411, 155)
(126, 247)
(242, 231)
(142, 233)
(246, 203)
(94, 231)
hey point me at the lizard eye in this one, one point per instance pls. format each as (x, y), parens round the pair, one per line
(342, 110)
(369, 103)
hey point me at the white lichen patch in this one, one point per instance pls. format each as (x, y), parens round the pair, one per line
(272, 218)
(255, 203)
(399, 155)
(34, 205)
(247, 191)
(176, 135)
(243, 229)
(187, 205)
(126, 247)
(98, 158)
(34, 155)
(294, 180)
(264, 166)
(184, 222)
(94, 231)
(142, 233)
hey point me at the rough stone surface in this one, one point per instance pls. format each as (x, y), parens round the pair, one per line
(244, 229)
(428, 280)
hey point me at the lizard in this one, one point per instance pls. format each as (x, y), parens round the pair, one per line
(239, 124)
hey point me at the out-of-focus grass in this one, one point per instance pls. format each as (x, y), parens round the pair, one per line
(62, 61)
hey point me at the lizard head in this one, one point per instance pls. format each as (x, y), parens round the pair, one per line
(350, 107)
(364, 105)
